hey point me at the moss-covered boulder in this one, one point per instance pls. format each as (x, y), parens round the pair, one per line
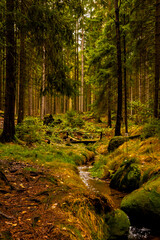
(115, 142)
(127, 177)
(118, 224)
(143, 205)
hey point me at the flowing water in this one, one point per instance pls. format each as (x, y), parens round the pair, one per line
(101, 186)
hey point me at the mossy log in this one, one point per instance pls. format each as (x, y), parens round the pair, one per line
(117, 141)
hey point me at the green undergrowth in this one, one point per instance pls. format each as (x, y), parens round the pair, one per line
(98, 168)
(81, 214)
(44, 153)
(130, 165)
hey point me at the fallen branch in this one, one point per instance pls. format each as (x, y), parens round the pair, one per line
(5, 215)
(4, 178)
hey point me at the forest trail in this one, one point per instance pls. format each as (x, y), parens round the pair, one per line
(28, 202)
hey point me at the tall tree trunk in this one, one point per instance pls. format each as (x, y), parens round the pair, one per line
(157, 59)
(131, 101)
(22, 70)
(1, 80)
(119, 72)
(43, 85)
(1, 71)
(30, 105)
(4, 74)
(9, 124)
(125, 80)
(109, 103)
(82, 75)
(140, 79)
(76, 98)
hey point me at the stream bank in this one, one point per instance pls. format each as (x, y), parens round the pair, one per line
(102, 186)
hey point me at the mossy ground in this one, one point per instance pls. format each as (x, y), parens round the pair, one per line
(135, 165)
(70, 208)
(145, 152)
(41, 194)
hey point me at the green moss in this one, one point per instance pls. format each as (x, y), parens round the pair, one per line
(115, 142)
(127, 177)
(143, 205)
(99, 167)
(146, 175)
(118, 223)
(151, 173)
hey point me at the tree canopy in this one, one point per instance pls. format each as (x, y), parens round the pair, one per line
(83, 55)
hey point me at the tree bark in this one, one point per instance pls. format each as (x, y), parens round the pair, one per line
(81, 108)
(1, 81)
(9, 124)
(43, 84)
(30, 92)
(109, 104)
(76, 98)
(22, 70)
(157, 59)
(119, 71)
(125, 80)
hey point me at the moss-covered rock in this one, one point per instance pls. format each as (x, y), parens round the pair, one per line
(150, 173)
(115, 142)
(127, 177)
(118, 224)
(143, 205)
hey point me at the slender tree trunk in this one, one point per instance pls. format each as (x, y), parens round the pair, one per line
(30, 108)
(140, 80)
(88, 97)
(1, 81)
(76, 98)
(131, 100)
(157, 59)
(43, 86)
(119, 72)
(22, 70)
(4, 74)
(82, 75)
(109, 104)
(9, 124)
(125, 80)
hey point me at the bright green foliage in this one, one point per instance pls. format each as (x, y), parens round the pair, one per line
(98, 168)
(142, 112)
(30, 130)
(46, 154)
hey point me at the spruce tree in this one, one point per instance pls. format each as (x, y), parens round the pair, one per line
(9, 115)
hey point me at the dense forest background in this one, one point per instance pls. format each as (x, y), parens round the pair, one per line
(99, 56)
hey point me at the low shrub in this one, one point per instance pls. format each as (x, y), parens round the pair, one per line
(30, 130)
(151, 129)
(74, 119)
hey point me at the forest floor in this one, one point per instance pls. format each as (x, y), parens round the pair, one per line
(41, 193)
(46, 202)
(32, 203)
(25, 200)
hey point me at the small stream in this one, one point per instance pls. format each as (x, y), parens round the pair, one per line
(101, 186)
